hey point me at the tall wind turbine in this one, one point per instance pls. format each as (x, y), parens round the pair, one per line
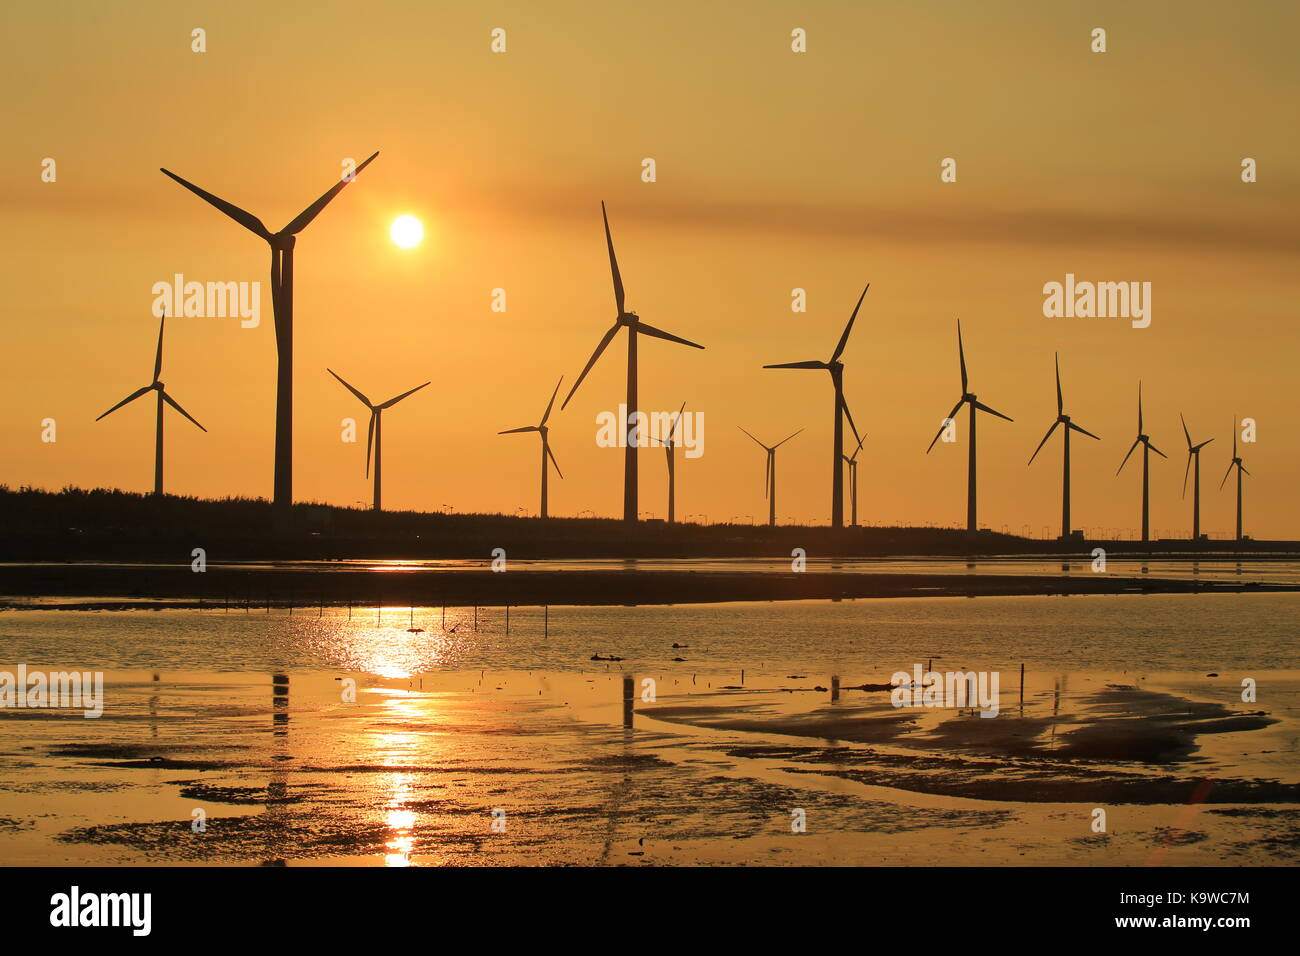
(836, 368)
(544, 432)
(1194, 451)
(375, 433)
(1062, 419)
(1241, 469)
(1145, 441)
(852, 462)
(635, 327)
(966, 399)
(157, 386)
(769, 474)
(670, 451)
(281, 244)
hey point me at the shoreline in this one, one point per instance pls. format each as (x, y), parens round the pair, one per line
(100, 587)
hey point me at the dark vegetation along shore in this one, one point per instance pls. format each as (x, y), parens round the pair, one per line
(104, 525)
(137, 550)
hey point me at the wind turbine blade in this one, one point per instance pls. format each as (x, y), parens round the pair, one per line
(672, 432)
(1186, 468)
(951, 415)
(245, 219)
(174, 404)
(754, 440)
(844, 339)
(130, 398)
(661, 334)
(1080, 428)
(515, 431)
(1226, 474)
(854, 460)
(613, 261)
(365, 401)
(393, 401)
(984, 408)
(1136, 442)
(849, 415)
(604, 342)
(1156, 450)
(1043, 442)
(1202, 444)
(550, 454)
(1234, 437)
(311, 212)
(1244, 469)
(1060, 400)
(1139, 407)
(798, 365)
(783, 440)
(370, 439)
(549, 405)
(961, 355)
(767, 473)
(157, 362)
(1186, 433)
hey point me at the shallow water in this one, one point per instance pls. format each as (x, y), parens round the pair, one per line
(1119, 711)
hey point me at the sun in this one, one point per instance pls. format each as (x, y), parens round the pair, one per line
(407, 231)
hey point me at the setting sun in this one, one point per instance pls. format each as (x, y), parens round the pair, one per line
(407, 231)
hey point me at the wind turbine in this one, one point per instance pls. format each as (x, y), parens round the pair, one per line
(1241, 469)
(635, 327)
(1194, 451)
(1062, 419)
(375, 433)
(542, 430)
(769, 474)
(966, 399)
(852, 462)
(836, 368)
(281, 244)
(157, 386)
(670, 451)
(1145, 441)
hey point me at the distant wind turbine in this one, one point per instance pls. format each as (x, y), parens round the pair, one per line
(769, 474)
(281, 244)
(1062, 419)
(635, 327)
(670, 451)
(156, 386)
(836, 368)
(1194, 451)
(375, 433)
(852, 462)
(1145, 441)
(544, 432)
(1241, 469)
(966, 399)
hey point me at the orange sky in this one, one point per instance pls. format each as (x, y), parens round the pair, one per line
(775, 170)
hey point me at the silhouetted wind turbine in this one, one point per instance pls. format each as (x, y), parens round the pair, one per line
(634, 327)
(1062, 419)
(544, 432)
(966, 399)
(670, 451)
(156, 386)
(852, 462)
(1194, 451)
(375, 433)
(1241, 469)
(281, 244)
(836, 368)
(1145, 441)
(769, 474)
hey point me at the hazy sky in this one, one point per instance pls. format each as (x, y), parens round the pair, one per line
(776, 170)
